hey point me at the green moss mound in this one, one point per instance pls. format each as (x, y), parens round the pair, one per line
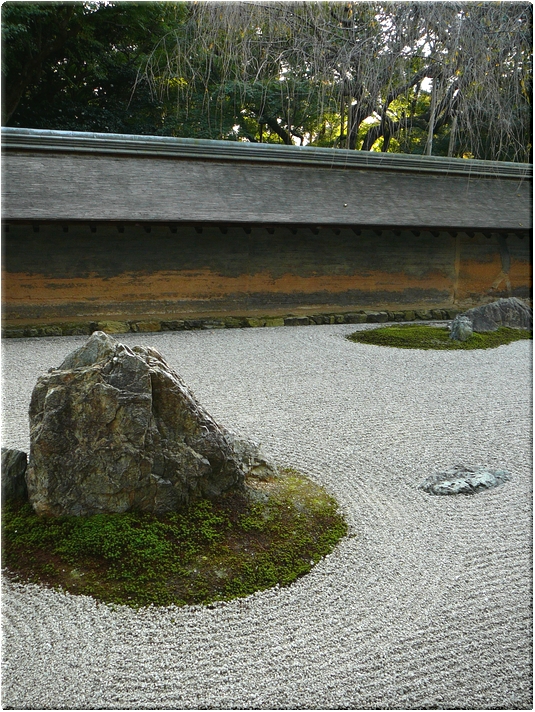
(208, 552)
(416, 336)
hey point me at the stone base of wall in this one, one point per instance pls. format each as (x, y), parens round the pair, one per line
(227, 322)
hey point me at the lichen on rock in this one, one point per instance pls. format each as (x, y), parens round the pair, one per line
(464, 480)
(116, 429)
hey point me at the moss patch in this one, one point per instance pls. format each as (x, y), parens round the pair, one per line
(208, 552)
(416, 336)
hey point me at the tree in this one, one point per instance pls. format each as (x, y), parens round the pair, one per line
(447, 78)
(376, 73)
(75, 65)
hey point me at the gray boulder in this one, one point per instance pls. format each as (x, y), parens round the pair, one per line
(510, 312)
(461, 328)
(504, 312)
(14, 465)
(115, 429)
(464, 480)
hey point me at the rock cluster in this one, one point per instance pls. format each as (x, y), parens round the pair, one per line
(510, 312)
(114, 429)
(464, 480)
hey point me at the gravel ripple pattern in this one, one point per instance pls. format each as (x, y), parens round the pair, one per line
(427, 602)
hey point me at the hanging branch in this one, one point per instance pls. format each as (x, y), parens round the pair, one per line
(363, 56)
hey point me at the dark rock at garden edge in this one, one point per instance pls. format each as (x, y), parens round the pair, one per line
(510, 312)
(464, 480)
(115, 429)
(461, 328)
(14, 465)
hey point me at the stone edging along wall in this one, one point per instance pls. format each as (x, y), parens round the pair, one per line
(229, 322)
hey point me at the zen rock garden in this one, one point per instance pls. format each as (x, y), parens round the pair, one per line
(115, 429)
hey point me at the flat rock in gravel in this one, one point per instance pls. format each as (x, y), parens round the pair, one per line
(14, 465)
(115, 428)
(464, 480)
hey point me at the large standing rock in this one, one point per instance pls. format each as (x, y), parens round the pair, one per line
(114, 429)
(490, 317)
(14, 465)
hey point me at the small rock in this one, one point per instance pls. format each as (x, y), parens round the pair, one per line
(52, 331)
(114, 327)
(464, 480)
(194, 323)
(377, 317)
(355, 318)
(233, 322)
(297, 321)
(438, 314)
(176, 325)
(254, 322)
(461, 328)
(148, 326)
(274, 321)
(253, 460)
(14, 464)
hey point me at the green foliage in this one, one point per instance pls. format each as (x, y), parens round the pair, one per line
(75, 66)
(358, 75)
(415, 336)
(210, 551)
(342, 75)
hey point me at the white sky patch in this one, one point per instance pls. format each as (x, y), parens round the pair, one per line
(427, 84)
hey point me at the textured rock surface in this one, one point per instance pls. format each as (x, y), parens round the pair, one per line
(461, 328)
(14, 464)
(251, 457)
(464, 480)
(504, 312)
(114, 429)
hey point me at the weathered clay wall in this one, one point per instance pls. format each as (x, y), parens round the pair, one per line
(70, 271)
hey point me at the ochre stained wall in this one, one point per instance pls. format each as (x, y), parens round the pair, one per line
(72, 272)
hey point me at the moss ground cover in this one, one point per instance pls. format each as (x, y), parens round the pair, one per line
(208, 552)
(416, 336)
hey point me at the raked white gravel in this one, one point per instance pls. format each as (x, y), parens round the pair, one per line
(427, 604)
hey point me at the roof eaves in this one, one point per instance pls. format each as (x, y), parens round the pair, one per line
(208, 150)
